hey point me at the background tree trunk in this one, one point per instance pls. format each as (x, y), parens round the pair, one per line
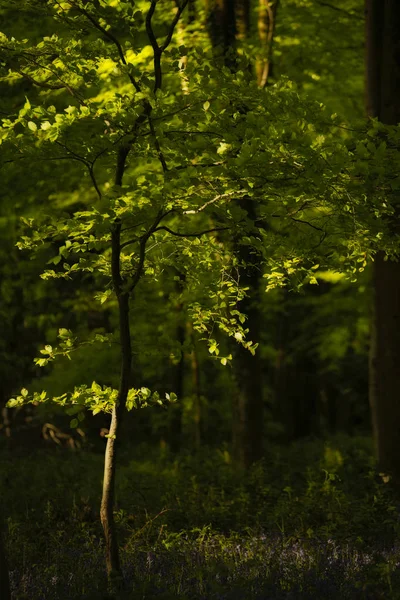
(5, 593)
(266, 27)
(383, 101)
(228, 21)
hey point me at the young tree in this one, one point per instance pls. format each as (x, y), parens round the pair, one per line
(165, 174)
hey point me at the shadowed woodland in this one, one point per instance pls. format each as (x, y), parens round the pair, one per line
(200, 299)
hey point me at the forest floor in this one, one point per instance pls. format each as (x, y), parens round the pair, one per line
(313, 520)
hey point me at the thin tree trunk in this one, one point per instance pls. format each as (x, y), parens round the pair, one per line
(110, 460)
(196, 392)
(175, 432)
(383, 93)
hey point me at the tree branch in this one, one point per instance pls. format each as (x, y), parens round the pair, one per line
(219, 197)
(113, 39)
(348, 13)
(157, 49)
(142, 250)
(170, 33)
(307, 223)
(194, 234)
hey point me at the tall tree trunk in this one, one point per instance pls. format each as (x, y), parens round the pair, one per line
(227, 21)
(5, 593)
(383, 102)
(175, 429)
(249, 401)
(221, 25)
(196, 391)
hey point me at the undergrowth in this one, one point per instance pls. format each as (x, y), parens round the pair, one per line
(313, 520)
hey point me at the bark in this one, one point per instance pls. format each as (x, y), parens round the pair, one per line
(266, 27)
(383, 93)
(110, 460)
(242, 19)
(249, 409)
(5, 593)
(385, 365)
(196, 391)
(221, 25)
(179, 375)
(227, 21)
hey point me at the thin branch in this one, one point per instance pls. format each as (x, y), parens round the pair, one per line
(219, 197)
(42, 84)
(160, 154)
(132, 241)
(193, 132)
(157, 49)
(93, 178)
(307, 223)
(113, 39)
(149, 27)
(142, 250)
(170, 33)
(195, 234)
(205, 165)
(348, 13)
(73, 154)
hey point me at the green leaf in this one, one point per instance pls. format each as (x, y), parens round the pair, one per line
(74, 423)
(32, 126)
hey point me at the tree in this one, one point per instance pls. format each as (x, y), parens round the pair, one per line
(166, 174)
(383, 89)
(102, 237)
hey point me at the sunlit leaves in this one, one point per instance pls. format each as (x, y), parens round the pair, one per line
(198, 156)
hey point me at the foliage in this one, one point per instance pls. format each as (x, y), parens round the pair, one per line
(194, 159)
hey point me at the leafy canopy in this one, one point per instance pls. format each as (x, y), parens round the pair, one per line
(168, 151)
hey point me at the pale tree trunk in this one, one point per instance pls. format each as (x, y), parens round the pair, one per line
(110, 460)
(383, 102)
(266, 28)
(183, 38)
